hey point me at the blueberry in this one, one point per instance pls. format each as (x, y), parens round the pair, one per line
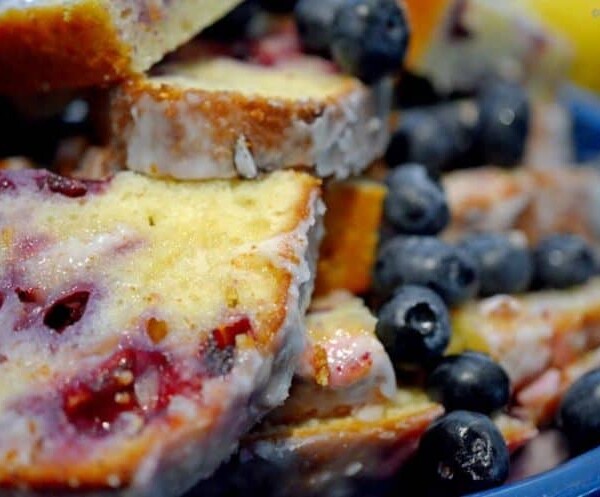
(415, 203)
(470, 381)
(278, 6)
(504, 262)
(562, 261)
(314, 19)
(578, 412)
(504, 117)
(412, 90)
(426, 261)
(369, 38)
(37, 136)
(440, 137)
(234, 25)
(414, 326)
(462, 452)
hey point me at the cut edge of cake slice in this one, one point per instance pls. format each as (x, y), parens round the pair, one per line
(217, 117)
(245, 364)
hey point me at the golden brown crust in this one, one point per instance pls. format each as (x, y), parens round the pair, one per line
(347, 254)
(54, 47)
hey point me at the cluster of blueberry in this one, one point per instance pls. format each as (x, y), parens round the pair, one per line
(489, 128)
(418, 276)
(484, 264)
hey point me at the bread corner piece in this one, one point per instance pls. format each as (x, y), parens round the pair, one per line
(144, 330)
(73, 44)
(348, 254)
(221, 118)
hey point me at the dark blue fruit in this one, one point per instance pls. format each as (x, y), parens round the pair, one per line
(414, 326)
(471, 381)
(369, 38)
(440, 137)
(412, 90)
(415, 204)
(426, 261)
(562, 261)
(37, 133)
(462, 452)
(234, 25)
(278, 6)
(314, 19)
(578, 414)
(504, 262)
(504, 118)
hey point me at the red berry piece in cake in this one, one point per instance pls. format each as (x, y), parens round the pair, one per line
(59, 184)
(66, 311)
(147, 324)
(6, 184)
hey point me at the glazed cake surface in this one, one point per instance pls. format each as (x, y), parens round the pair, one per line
(527, 334)
(144, 330)
(343, 366)
(56, 44)
(535, 202)
(217, 117)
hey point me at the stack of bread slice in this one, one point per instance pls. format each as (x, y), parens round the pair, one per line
(154, 301)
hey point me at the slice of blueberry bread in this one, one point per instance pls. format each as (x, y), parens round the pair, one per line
(537, 202)
(207, 114)
(49, 45)
(528, 334)
(145, 331)
(343, 365)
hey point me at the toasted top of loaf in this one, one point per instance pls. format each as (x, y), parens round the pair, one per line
(529, 333)
(343, 365)
(218, 117)
(58, 44)
(144, 330)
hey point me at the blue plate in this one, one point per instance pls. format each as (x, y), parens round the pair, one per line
(579, 477)
(584, 108)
